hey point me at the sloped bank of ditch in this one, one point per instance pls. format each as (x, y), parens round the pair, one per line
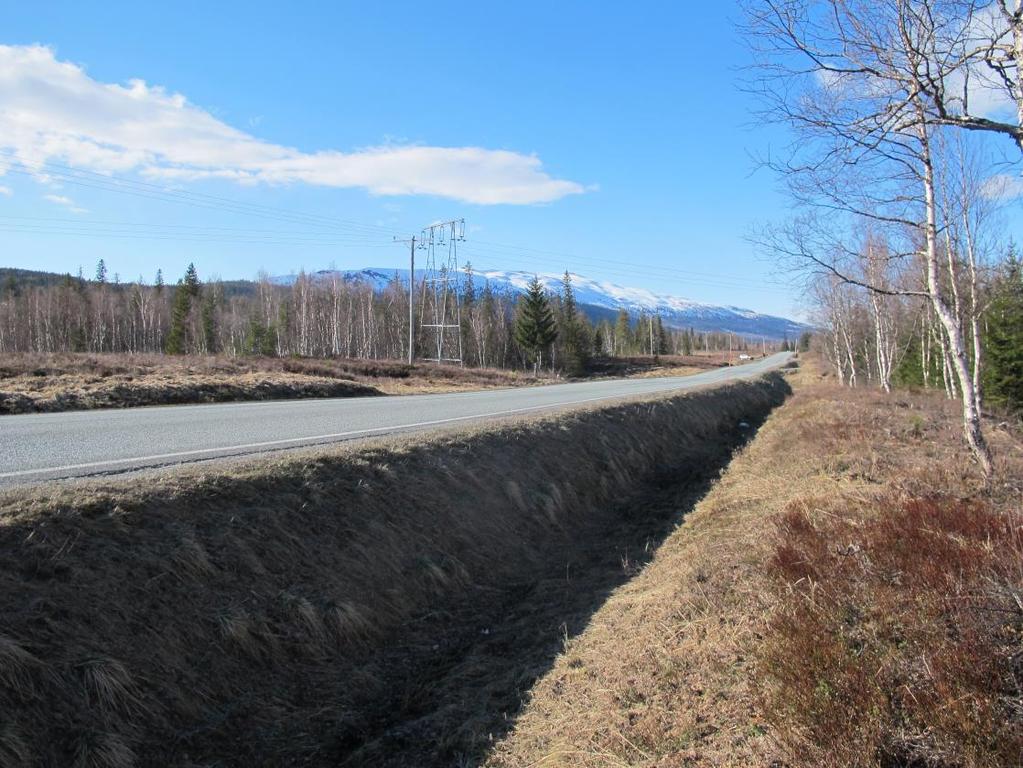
(380, 605)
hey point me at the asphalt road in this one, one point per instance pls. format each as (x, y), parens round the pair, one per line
(49, 446)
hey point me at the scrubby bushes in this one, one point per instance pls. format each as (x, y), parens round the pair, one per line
(898, 639)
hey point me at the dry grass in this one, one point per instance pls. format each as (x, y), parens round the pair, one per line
(62, 382)
(300, 610)
(717, 653)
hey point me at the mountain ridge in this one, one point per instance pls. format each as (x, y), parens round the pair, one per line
(601, 299)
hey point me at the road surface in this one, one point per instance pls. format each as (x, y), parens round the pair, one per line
(49, 446)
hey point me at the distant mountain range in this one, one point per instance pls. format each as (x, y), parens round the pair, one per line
(601, 299)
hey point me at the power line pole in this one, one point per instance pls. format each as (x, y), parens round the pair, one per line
(444, 283)
(411, 298)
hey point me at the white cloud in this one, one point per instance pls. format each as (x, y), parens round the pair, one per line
(67, 202)
(51, 110)
(986, 93)
(6, 191)
(1003, 186)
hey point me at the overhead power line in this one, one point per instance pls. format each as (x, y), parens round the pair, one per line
(316, 230)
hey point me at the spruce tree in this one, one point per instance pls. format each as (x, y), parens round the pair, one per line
(101, 272)
(1003, 344)
(191, 282)
(180, 310)
(187, 289)
(571, 330)
(663, 342)
(623, 332)
(209, 322)
(535, 328)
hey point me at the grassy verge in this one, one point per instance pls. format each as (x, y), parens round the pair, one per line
(32, 383)
(375, 606)
(63, 382)
(848, 594)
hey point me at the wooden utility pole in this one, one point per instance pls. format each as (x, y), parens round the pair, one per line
(411, 301)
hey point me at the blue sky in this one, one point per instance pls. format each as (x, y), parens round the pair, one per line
(614, 142)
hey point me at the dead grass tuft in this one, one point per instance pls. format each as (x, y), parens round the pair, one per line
(191, 559)
(108, 685)
(349, 624)
(239, 629)
(14, 751)
(16, 666)
(103, 750)
(306, 622)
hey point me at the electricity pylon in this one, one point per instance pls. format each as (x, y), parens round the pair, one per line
(442, 283)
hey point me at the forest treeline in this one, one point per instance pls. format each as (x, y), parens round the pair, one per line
(325, 316)
(894, 338)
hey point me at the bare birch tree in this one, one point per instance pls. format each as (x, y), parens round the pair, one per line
(857, 80)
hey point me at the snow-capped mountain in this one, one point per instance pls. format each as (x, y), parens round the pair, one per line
(601, 299)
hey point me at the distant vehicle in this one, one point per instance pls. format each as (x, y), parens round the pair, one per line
(744, 356)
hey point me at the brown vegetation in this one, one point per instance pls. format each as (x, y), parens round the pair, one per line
(62, 382)
(847, 595)
(382, 605)
(77, 381)
(898, 637)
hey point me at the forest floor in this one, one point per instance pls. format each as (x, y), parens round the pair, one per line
(849, 593)
(63, 382)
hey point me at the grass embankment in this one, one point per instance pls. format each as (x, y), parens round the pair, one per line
(63, 382)
(385, 605)
(33, 383)
(849, 594)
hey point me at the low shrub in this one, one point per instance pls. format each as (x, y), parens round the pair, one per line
(898, 639)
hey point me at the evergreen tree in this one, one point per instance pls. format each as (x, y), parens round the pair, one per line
(191, 282)
(1003, 345)
(158, 283)
(260, 339)
(468, 287)
(101, 272)
(535, 328)
(209, 323)
(572, 330)
(186, 291)
(663, 343)
(180, 310)
(623, 333)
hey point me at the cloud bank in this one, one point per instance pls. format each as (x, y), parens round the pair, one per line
(51, 110)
